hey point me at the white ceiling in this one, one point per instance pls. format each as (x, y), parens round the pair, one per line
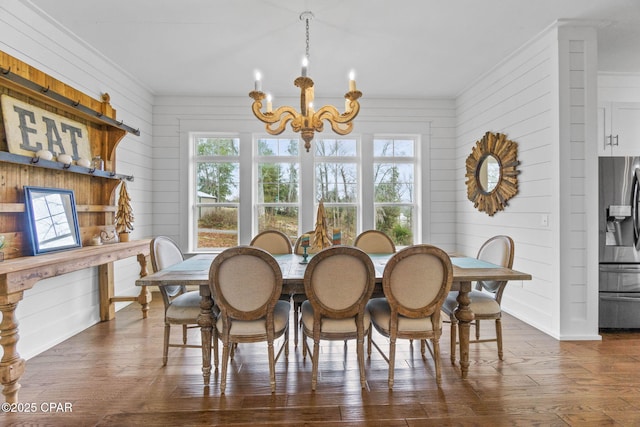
(399, 48)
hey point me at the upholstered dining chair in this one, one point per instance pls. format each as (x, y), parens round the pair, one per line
(181, 307)
(246, 283)
(416, 281)
(374, 241)
(272, 241)
(276, 243)
(338, 282)
(487, 295)
(299, 299)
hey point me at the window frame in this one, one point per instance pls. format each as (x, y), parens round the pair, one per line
(415, 160)
(194, 206)
(273, 159)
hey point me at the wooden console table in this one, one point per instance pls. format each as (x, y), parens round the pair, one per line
(19, 274)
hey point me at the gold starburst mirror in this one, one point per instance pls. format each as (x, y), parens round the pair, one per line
(492, 174)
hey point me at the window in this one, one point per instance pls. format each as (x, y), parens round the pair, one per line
(216, 192)
(242, 187)
(337, 184)
(394, 188)
(277, 201)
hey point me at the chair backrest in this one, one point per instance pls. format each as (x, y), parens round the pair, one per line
(338, 281)
(273, 241)
(165, 253)
(417, 280)
(497, 250)
(375, 241)
(246, 282)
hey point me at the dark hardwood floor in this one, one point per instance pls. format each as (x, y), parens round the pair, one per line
(111, 375)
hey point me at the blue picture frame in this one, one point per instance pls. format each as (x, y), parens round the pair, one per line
(52, 219)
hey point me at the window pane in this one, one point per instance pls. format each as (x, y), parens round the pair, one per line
(217, 146)
(394, 182)
(382, 147)
(218, 182)
(277, 147)
(336, 147)
(396, 222)
(336, 182)
(403, 147)
(343, 218)
(280, 218)
(278, 182)
(393, 148)
(217, 227)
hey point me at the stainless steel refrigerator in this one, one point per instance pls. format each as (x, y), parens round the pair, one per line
(619, 236)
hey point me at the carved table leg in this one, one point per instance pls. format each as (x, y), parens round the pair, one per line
(144, 298)
(145, 294)
(465, 316)
(205, 320)
(11, 365)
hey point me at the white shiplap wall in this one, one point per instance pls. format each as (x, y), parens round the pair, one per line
(543, 97)
(174, 117)
(618, 87)
(58, 308)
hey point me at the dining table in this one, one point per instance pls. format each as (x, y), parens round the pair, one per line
(194, 271)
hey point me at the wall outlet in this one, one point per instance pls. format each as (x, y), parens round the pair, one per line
(544, 220)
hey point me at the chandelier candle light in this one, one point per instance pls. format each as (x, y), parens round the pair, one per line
(307, 121)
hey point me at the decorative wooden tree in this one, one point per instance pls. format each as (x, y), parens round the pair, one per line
(124, 215)
(321, 237)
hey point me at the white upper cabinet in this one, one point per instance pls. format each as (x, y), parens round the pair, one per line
(619, 129)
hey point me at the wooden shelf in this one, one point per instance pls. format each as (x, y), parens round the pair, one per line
(70, 104)
(50, 164)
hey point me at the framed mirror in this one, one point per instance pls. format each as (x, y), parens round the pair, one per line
(52, 220)
(492, 172)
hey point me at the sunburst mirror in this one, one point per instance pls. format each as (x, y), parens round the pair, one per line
(492, 172)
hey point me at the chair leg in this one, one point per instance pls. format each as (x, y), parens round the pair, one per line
(165, 351)
(454, 327)
(392, 360)
(436, 359)
(296, 310)
(314, 364)
(304, 346)
(499, 337)
(477, 322)
(225, 362)
(360, 351)
(272, 369)
(369, 342)
(214, 339)
(184, 334)
(286, 343)
(423, 348)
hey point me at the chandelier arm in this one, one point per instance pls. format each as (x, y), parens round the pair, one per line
(330, 113)
(270, 118)
(342, 129)
(279, 129)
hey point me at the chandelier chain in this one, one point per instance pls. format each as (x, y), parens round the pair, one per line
(307, 29)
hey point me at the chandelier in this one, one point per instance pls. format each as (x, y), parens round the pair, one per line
(307, 121)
